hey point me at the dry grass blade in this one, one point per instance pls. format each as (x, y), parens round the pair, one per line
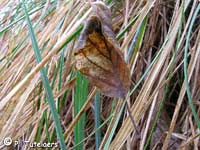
(150, 35)
(115, 113)
(28, 78)
(189, 141)
(83, 109)
(141, 104)
(181, 96)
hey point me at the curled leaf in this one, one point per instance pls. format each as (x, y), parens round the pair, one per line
(98, 55)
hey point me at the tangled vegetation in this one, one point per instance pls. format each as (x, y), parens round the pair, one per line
(44, 99)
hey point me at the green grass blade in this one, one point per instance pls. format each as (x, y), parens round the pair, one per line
(97, 119)
(45, 81)
(80, 96)
(40, 128)
(19, 19)
(121, 34)
(96, 130)
(139, 36)
(106, 146)
(185, 68)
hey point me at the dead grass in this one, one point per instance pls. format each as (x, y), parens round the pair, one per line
(156, 67)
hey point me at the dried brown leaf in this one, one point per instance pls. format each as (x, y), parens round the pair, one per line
(98, 55)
